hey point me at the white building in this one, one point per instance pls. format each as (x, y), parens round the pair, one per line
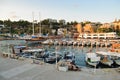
(110, 35)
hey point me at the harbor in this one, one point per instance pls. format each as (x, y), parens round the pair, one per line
(60, 40)
(79, 51)
(26, 68)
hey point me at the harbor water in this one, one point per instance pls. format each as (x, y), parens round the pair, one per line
(78, 51)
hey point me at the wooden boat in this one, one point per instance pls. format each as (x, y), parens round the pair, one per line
(68, 63)
(37, 39)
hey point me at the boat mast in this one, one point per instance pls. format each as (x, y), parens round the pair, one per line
(39, 24)
(33, 22)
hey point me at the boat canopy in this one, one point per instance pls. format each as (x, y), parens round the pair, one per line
(19, 47)
(109, 53)
(33, 50)
(103, 53)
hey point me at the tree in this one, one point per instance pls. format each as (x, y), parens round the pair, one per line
(1, 22)
(118, 30)
(104, 30)
(45, 22)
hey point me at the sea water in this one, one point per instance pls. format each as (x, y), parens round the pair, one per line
(78, 51)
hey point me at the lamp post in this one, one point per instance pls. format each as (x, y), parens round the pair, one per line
(56, 48)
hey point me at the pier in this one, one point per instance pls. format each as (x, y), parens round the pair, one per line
(82, 42)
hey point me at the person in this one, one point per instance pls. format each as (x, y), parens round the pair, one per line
(65, 56)
(74, 67)
(20, 50)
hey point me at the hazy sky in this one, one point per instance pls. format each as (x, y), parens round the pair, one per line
(70, 10)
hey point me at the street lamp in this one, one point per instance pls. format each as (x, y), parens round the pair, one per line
(56, 48)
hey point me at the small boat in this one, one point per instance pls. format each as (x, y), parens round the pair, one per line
(75, 43)
(55, 42)
(18, 49)
(68, 63)
(48, 41)
(60, 42)
(92, 59)
(34, 53)
(88, 43)
(70, 42)
(105, 58)
(68, 56)
(115, 57)
(97, 43)
(53, 57)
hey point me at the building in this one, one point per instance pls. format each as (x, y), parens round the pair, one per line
(1, 26)
(106, 25)
(79, 28)
(116, 25)
(52, 20)
(62, 21)
(110, 35)
(89, 28)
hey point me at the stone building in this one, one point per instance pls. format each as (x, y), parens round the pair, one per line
(116, 25)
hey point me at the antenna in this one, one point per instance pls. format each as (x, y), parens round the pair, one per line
(33, 22)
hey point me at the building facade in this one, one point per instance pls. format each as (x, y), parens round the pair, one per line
(111, 35)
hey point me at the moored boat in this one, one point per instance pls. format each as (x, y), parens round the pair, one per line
(92, 59)
(105, 58)
(48, 41)
(53, 57)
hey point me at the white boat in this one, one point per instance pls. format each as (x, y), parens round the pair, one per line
(92, 59)
(115, 53)
(115, 57)
(68, 56)
(48, 41)
(34, 53)
(75, 43)
(105, 58)
(53, 57)
(117, 61)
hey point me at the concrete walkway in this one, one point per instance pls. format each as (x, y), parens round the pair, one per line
(12, 69)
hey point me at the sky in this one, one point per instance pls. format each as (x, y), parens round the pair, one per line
(70, 10)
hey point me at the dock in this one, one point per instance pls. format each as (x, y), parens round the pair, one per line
(12, 69)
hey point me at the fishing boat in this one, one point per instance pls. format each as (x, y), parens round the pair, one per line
(53, 57)
(68, 63)
(68, 56)
(115, 53)
(92, 59)
(37, 53)
(116, 58)
(105, 58)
